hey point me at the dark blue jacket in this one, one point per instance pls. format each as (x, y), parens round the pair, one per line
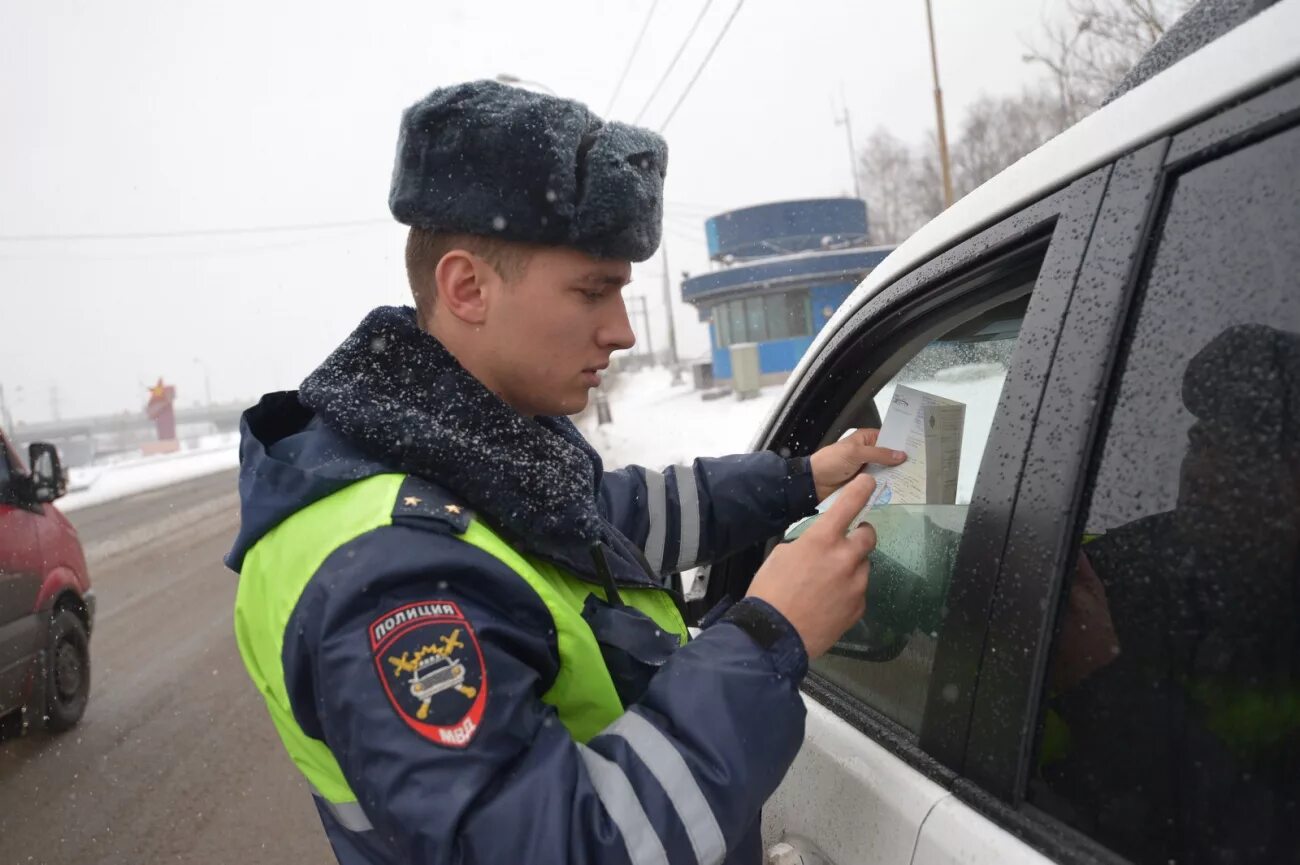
(679, 779)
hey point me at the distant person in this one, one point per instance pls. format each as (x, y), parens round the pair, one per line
(460, 623)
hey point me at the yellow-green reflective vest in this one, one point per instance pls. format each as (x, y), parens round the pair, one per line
(278, 568)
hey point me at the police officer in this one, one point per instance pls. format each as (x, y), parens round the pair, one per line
(459, 622)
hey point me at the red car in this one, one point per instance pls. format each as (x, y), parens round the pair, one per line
(46, 603)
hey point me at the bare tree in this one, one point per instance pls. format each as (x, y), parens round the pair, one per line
(1089, 53)
(998, 130)
(1087, 56)
(902, 184)
(901, 190)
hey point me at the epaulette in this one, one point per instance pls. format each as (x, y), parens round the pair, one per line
(424, 505)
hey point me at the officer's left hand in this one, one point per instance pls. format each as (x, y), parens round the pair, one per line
(835, 465)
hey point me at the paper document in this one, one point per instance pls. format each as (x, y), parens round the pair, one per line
(928, 428)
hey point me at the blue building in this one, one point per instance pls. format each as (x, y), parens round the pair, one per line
(781, 270)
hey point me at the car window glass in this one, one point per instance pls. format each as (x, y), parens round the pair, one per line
(886, 658)
(1170, 726)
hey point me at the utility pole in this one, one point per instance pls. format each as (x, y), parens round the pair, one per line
(54, 402)
(668, 311)
(845, 121)
(938, 111)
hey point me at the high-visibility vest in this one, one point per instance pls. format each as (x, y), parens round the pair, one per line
(278, 568)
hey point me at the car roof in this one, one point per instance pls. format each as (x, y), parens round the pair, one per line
(1240, 61)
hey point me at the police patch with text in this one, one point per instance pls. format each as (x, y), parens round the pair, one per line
(431, 667)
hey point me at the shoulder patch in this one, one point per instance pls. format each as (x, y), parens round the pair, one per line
(425, 505)
(431, 667)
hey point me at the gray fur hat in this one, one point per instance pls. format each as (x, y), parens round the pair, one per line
(488, 159)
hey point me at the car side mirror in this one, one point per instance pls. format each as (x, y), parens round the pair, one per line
(49, 481)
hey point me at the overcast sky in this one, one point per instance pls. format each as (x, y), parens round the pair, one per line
(176, 115)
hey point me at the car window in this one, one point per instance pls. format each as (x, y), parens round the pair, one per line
(887, 657)
(1170, 725)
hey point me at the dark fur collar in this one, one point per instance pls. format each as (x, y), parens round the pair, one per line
(397, 394)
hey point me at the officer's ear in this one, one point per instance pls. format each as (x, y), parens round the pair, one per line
(461, 279)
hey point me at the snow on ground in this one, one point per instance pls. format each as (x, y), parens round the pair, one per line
(656, 424)
(119, 476)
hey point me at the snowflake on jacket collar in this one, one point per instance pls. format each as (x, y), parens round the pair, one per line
(397, 394)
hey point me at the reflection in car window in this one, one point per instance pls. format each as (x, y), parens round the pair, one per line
(886, 658)
(1170, 729)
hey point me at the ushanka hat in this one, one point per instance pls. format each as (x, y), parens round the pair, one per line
(488, 159)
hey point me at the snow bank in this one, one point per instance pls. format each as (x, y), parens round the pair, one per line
(119, 477)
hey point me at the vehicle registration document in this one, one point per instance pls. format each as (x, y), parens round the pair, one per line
(928, 428)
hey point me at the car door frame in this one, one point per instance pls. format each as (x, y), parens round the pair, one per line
(1059, 223)
(1026, 604)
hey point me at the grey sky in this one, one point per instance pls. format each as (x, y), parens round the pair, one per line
(177, 115)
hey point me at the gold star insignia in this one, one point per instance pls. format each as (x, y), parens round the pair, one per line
(453, 509)
(412, 501)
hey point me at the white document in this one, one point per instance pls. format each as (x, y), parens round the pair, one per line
(926, 427)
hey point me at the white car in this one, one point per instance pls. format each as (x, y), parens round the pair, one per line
(1093, 653)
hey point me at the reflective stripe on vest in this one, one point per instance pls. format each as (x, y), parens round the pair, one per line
(279, 567)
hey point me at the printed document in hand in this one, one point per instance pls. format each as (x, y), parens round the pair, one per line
(928, 428)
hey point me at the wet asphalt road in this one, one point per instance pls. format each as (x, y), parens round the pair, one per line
(176, 759)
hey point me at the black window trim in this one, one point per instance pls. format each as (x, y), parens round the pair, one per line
(1012, 661)
(992, 784)
(1056, 226)
(1244, 123)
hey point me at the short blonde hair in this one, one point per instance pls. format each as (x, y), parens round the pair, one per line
(426, 247)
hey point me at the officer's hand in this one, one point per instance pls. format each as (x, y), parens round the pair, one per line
(819, 581)
(833, 465)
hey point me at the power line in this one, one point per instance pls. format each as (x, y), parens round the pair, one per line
(197, 232)
(704, 63)
(673, 64)
(40, 252)
(636, 46)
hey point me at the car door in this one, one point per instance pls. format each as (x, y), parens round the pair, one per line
(20, 581)
(1145, 632)
(890, 705)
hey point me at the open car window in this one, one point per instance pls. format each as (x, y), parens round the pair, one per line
(963, 359)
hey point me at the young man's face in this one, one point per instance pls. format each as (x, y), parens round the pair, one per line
(553, 329)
